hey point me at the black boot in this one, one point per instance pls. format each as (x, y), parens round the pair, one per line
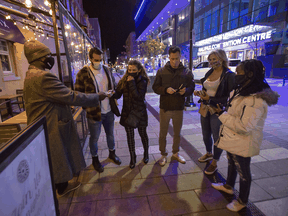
(114, 157)
(146, 156)
(97, 165)
(133, 160)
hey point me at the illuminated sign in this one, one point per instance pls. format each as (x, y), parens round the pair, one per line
(238, 41)
(250, 29)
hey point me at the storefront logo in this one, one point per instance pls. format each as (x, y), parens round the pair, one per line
(22, 171)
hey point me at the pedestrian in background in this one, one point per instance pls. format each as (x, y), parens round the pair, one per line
(92, 78)
(241, 133)
(133, 87)
(173, 83)
(46, 95)
(217, 84)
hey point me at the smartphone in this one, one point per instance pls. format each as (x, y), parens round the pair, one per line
(214, 104)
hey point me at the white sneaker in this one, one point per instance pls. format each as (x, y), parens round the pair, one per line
(163, 160)
(220, 186)
(179, 158)
(235, 206)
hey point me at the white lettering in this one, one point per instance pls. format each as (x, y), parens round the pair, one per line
(268, 34)
(3, 23)
(258, 37)
(244, 40)
(263, 35)
(249, 39)
(253, 38)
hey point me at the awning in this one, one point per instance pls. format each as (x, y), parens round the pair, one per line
(9, 31)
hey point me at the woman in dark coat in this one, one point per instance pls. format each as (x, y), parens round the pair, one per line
(133, 86)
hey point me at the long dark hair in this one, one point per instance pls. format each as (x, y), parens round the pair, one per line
(142, 72)
(255, 72)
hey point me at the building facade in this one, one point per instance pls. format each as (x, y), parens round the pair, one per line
(245, 29)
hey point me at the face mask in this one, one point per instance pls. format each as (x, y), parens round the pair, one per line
(133, 74)
(97, 65)
(240, 79)
(215, 64)
(49, 62)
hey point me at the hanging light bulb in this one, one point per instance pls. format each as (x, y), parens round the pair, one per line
(50, 12)
(47, 37)
(66, 34)
(28, 3)
(39, 35)
(46, 2)
(15, 23)
(27, 27)
(42, 34)
(35, 38)
(8, 17)
(37, 27)
(72, 44)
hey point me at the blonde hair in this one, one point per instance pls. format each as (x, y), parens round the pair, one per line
(221, 54)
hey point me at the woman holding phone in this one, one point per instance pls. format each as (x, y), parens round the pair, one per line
(217, 84)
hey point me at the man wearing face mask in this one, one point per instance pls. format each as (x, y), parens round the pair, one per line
(46, 95)
(96, 78)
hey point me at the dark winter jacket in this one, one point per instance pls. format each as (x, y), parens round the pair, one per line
(133, 99)
(168, 77)
(84, 83)
(226, 85)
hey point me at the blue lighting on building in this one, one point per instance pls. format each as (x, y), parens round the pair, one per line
(139, 10)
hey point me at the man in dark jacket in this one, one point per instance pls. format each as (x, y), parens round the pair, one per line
(173, 83)
(95, 78)
(46, 95)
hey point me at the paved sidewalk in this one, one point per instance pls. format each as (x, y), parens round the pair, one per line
(181, 189)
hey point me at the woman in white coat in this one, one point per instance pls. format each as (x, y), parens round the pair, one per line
(241, 132)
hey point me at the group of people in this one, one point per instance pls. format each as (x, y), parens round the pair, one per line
(233, 110)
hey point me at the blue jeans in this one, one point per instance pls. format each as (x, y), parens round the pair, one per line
(211, 125)
(241, 165)
(107, 120)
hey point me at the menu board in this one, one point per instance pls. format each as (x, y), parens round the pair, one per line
(25, 175)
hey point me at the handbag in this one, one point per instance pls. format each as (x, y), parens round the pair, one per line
(133, 119)
(203, 110)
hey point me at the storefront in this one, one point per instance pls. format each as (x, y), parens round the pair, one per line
(243, 43)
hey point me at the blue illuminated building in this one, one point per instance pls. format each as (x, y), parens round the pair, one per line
(245, 29)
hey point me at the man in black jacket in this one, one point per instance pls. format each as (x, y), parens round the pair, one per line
(173, 83)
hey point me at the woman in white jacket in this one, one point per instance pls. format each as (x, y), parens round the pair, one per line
(241, 132)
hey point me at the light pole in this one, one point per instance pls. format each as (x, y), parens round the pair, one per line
(189, 100)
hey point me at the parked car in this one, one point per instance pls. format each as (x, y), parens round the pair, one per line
(201, 69)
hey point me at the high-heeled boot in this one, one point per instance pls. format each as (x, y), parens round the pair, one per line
(146, 155)
(133, 160)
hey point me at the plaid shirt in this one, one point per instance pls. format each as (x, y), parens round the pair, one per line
(85, 83)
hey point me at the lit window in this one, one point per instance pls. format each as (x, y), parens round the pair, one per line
(5, 65)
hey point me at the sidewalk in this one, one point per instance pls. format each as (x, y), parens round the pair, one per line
(181, 189)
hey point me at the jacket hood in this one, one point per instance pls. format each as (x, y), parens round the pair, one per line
(271, 97)
(168, 66)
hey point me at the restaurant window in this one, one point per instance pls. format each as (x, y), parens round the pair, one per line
(6, 57)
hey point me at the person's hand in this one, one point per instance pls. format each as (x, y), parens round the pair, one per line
(102, 95)
(170, 90)
(182, 91)
(129, 78)
(110, 93)
(196, 93)
(204, 95)
(218, 109)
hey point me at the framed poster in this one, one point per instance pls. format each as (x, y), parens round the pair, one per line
(26, 178)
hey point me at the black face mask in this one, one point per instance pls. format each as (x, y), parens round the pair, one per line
(133, 74)
(49, 62)
(240, 80)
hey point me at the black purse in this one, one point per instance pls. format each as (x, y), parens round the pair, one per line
(133, 119)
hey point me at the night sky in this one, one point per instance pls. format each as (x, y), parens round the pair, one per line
(116, 22)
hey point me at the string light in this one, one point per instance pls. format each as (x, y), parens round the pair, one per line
(43, 35)
(37, 27)
(8, 17)
(47, 37)
(46, 3)
(50, 12)
(28, 3)
(72, 44)
(66, 34)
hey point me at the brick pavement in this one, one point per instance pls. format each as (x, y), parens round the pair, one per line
(181, 189)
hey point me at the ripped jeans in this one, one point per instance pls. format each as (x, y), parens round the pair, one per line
(241, 165)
